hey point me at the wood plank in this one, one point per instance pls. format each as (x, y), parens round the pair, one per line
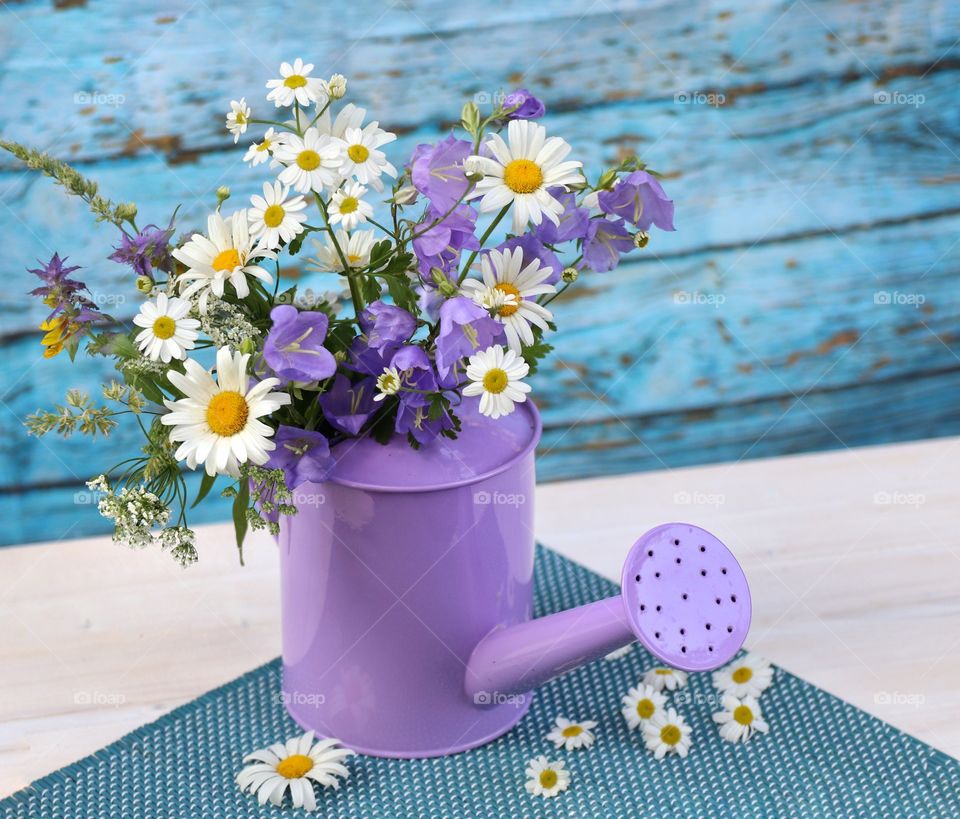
(769, 168)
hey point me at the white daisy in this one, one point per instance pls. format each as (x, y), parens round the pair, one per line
(546, 778)
(225, 256)
(312, 161)
(506, 272)
(294, 765)
(167, 333)
(238, 118)
(259, 152)
(640, 704)
(274, 218)
(495, 375)
(350, 116)
(388, 383)
(522, 172)
(362, 157)
(347, 207)
(355, 246)
(751, 675)
(740, 719)
(663, 677)
(617, 653)
(217, 422)
(296, 85)
(572, 735)
(666, 732)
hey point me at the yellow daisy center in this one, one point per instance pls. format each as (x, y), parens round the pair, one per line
(645, 708)
(743, 715)
(670, 734)
(522, 176)
(227, 414)
(349, 204)
(509, 290)
(164, 327)
(742, 675)
(264, 146)
(308, 160)
(572, 731)
(227, 259)
(358, 153)
(548, 778)
(663, 671)
(241, 118)
(352, 258)
(293, 767)
(495, 380)
(273, 216)
(295, 81)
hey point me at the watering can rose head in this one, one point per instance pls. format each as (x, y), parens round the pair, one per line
(447, 269)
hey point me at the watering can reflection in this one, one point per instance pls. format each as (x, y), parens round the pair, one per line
(407, 595)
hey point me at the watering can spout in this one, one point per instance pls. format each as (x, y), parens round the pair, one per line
(683, 596)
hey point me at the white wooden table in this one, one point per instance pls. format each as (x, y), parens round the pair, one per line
(853, 559)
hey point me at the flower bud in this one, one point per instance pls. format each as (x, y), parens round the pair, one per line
(570, 274)
(127, 210)
(641, 239)
(248, 346)
(473, 168)
(223, 194)
(337, 86)
(145, 285)
(407, 195)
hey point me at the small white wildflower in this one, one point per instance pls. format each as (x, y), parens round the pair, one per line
(572, 735)
(337, 87)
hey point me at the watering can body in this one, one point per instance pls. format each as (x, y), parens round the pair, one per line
(407, 594)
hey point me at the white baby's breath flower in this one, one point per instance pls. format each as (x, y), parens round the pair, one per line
(666, 732)
(749, 676)
(662, 677)
(546, 778)
(572, 735)
(740, 719)
(496, 376)
(274, 218)
(347, 207)
(238, 118)
(388, 383)
(294, 766)
(296, 85)
(640, 704)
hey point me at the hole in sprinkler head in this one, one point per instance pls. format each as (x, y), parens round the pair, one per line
(703, 548)
(729, 629)
(684, 595)
(703, 573)
(709, 648)
(676, 542)
(678, 561)
(656, 574)
(733, 598)
(723, 571)
(659, 607)
(643, 607)
(638, 578)
(708, 626)
(650, 553)
(683, 631)
(717, 601)
(683, 649)
(656, 634)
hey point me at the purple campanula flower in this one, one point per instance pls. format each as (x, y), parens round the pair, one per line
(294, 346)
(465, 328)
(437, 171)
(384, 324)
(574, 220)
(605, 240)
(415, 420)
(527, 106)
(640, 199)
(440, 245)
(416, 373)
(348, 406)
(303, 455)
(532, 249)
(62, 293)
(149, 249)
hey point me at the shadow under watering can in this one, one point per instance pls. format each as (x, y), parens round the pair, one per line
(413, 570)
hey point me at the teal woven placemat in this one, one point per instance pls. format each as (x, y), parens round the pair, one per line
(822, 756)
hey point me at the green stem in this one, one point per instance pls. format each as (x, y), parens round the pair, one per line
(483, 239)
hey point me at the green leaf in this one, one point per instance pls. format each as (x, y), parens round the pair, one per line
(287, 296)
(240, 504)
(294, 247)
(206, 484)
(402, 294)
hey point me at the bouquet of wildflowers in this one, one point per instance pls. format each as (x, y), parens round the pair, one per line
(444, 273)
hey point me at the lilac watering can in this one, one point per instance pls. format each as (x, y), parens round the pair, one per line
(407, 585)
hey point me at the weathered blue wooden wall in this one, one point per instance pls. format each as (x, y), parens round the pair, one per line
(808, 299)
